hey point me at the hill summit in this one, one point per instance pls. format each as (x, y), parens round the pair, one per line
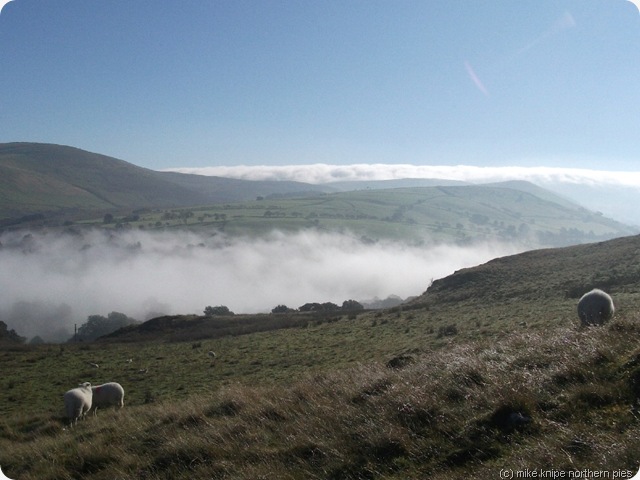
(559, 273)
(36, 177)
(41, 177)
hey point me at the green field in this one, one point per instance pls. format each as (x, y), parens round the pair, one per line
(455, 213)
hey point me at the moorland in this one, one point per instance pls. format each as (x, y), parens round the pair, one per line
(486, 372)
(425, 390)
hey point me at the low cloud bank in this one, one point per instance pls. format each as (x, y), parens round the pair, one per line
(48, 282)
(325, 173)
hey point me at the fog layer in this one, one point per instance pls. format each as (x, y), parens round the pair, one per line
(51, 281)
(325, 173)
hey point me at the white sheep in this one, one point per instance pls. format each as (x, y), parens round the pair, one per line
(595, 308)
(212, 354)
(77, 402)
(107, 395)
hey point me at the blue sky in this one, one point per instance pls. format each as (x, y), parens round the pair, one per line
(229, 82)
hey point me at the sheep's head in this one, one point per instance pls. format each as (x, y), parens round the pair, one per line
(85, 385)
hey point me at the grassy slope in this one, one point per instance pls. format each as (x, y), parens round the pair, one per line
(42, 177)
(320, 400)
(56, 177)
(451, 213)
(24, 191)
(222, 190)
(553, 273)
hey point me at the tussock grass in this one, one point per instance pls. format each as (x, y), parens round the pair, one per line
(561, 398)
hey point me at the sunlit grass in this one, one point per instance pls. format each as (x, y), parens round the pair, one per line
(438, 416)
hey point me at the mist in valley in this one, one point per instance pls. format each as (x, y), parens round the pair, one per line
(51, 281)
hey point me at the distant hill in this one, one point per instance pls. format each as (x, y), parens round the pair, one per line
(40, 180)
(523, 185)
(386, 184)
(221, 190)
(43, 178)
(538, 191)
(511, 211)
(616, 201)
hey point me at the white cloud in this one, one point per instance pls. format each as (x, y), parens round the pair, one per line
(325, 173)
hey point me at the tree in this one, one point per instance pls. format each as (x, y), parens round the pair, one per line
(219, 310)
(479, 219)
(330, 307)
(319, 307)
(9, 336)
(98, 326)
(352, 305)
(311, 307)
(282, 309)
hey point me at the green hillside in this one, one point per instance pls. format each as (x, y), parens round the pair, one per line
(222, 190)
(614, 264)
(38, 180)
(514, 211)
(488, 372)
(44, 178)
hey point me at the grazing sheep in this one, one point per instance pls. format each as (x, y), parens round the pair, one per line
(107, 395)
(94, 365)
(77, 402)
(212, 354)
(595, 307)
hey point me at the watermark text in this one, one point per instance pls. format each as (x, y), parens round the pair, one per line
(509, 474)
